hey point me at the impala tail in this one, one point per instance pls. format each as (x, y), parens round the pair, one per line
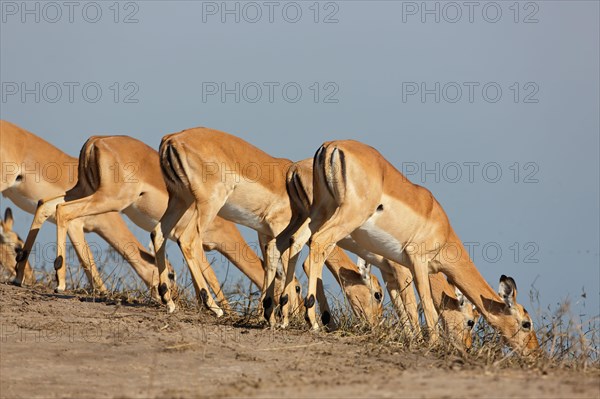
(171, 165)
(297, 191)
(329, 170)
(89, 166)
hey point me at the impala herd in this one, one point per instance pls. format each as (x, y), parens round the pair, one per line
(201, 182)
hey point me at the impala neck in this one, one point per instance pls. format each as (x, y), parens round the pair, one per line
(463, 274)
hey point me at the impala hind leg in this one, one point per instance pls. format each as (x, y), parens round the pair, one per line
(66, 212)
(215, 286)
(190, 243)
(322, 244)
(45, 209)
(176, 208)
(112, 228)
(286, 248)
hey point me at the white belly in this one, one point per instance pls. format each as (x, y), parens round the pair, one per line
(23, 202)
(375, 239)
(241, 216)
(142, 219)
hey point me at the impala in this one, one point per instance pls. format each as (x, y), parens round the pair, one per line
(143, 197)
(11, 246)
(458, 317)
(216, 173)
(457, 314)
(359, 193)
(33, 169)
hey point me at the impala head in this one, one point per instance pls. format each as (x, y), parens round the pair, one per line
(460, 316)
(363, 292)
(515, 325)
(11, 247)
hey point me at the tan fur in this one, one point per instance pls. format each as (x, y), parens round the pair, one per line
(396, 276)
(122, 174)
(33, 169)
(217, 173)
(385, 213)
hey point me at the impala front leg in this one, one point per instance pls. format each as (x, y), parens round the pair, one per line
(272, 256)
(84, 253)
(160, 244)
(421, 274)
(289, 289)
(45, 209)
(60, 266)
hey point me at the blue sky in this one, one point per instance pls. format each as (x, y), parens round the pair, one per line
(494, 108)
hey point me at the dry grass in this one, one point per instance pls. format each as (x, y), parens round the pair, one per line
(567, 341)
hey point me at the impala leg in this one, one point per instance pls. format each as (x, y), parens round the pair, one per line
(319, 251)
(324, 308)
(215, 286)
(84, 253)
(208, 272)
(399, 280)
(176, 208)
(393, 289)
(272, 257)
(95, 204)
(112, 228)
(45, 209)
(326, 233)
(289, 291)
(190, 243)
(421, 275)
(289, 244)
(407, 294)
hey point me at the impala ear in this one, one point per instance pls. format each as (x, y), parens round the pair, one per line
(364, 268)
(460, 297)
(508, 290)
(8, 219)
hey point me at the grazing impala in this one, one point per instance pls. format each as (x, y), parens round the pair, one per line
(11, 246)
(219, 174)
(143, 197)
(119, 173)
(359, 193)
(33, 169)
(458, 317)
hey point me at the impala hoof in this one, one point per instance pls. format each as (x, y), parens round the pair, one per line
(315, 327)
(219, 312)
(17, 282)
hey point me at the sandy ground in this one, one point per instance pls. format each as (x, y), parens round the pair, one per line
(65, 346)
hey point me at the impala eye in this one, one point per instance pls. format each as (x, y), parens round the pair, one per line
(378, 296)
(470, 323)
(297, 289)
(526, 325)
